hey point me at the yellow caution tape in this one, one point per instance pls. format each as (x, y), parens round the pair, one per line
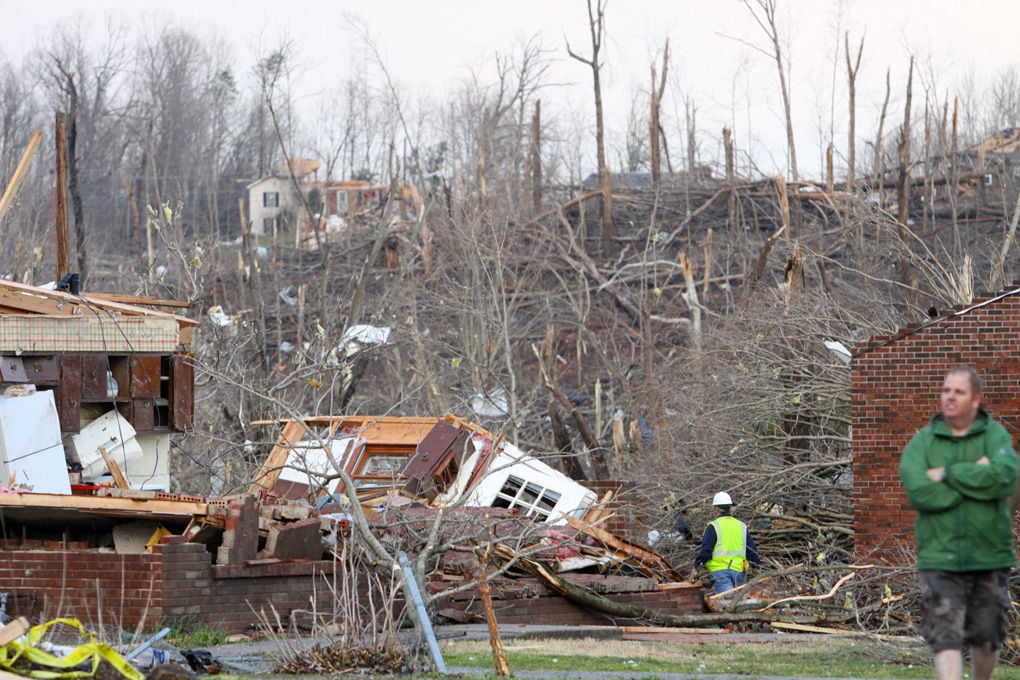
(82, 662)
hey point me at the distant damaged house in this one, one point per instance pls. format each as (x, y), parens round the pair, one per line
(996, 158)
(302, 204)
(274, 201)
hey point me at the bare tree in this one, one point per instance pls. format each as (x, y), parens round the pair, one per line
(852, 67)
(764, 14)
(636, 152)
(691, 118)
(655, 115)
(903, 175)
(597, 29)
(81, 78)
(16, 114)
(535, 157)
(1004, 109)
(878, 167)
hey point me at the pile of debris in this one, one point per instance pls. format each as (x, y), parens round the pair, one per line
(410, 483)
(96, 387)
(422, 482)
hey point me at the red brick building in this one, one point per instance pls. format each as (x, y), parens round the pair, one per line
(895, 386)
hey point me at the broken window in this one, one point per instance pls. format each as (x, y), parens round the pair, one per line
(379, 469)
(382, 465)
(528, 497)
(271, 199)
(341, 202)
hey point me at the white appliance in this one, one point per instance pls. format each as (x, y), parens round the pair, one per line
(31, 452)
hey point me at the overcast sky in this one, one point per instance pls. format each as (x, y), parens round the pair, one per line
(428, 46)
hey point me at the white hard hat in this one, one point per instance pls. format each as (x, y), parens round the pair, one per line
(722, 498)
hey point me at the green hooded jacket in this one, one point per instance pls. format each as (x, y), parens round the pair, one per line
(964, 522)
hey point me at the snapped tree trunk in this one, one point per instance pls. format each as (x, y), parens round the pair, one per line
(597, 29)
(654, 118)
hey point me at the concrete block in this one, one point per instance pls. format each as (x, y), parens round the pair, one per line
(300, 540)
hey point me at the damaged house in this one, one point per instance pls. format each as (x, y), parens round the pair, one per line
(280, 203)
(90, 529)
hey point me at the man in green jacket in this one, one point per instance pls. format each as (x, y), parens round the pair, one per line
(959, 471)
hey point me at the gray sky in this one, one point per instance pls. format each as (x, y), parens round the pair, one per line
(428, 46)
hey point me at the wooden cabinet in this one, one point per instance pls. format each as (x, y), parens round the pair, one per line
(42, 371)
(68, 394)
(146, 376)
(155, 392)
(95, 378)
(181, 388)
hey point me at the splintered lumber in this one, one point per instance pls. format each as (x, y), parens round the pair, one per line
(675, 586)
(669, 630)
(650, 561)
(498, 656)
(802, 628)
(176, 510)
(138, 300)
(598, 511)
(19, 172)
(13, 630)
(111, 464)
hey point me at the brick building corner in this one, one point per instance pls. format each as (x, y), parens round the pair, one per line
(895, 383)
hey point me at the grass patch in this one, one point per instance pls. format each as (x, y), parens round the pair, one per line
(185, 636)
(796, 656)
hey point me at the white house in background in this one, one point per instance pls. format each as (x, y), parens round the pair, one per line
(273, 202)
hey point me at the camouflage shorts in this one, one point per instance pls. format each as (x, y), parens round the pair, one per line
(965, 607)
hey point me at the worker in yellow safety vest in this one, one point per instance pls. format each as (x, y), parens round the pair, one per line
(726, 548)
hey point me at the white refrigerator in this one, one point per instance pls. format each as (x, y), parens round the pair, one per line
(31, 452)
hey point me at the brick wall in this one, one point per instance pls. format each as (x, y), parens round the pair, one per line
(621, 505)
(895, 384)
(97, 588)
(177, 582)
(224, 596)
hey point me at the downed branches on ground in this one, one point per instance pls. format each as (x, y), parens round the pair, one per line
(751, 611)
